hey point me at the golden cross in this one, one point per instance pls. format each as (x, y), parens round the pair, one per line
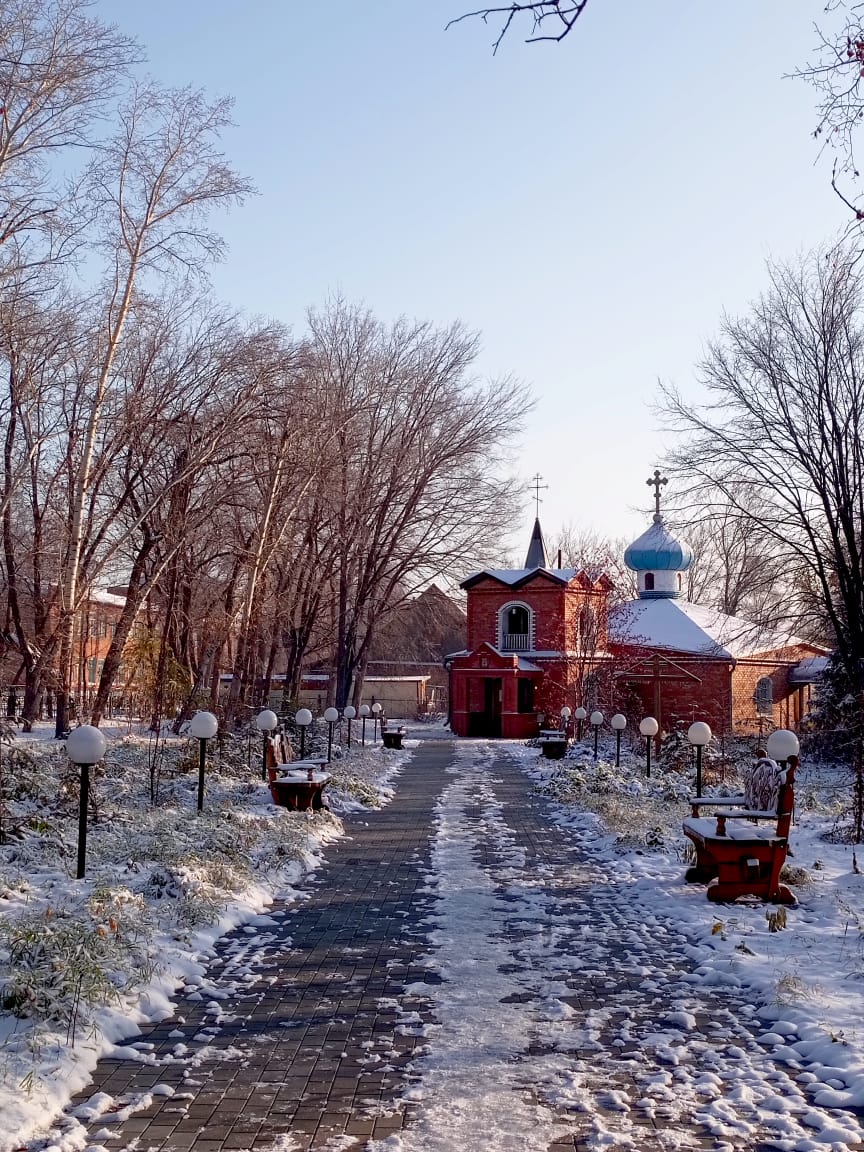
(657, 482)
(537, 486)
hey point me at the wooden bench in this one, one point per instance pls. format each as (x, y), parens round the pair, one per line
(392, 737)
(299, 786)
(553, 743)
(734, 854)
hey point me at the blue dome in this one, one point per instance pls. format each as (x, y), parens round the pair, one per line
(658, 551)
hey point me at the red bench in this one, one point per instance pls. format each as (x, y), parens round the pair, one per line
(737, 856)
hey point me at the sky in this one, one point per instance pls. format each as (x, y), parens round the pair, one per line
(592, 208)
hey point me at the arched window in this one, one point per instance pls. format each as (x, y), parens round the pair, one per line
(515, 628)
(649, 581)
(679, 582)
(764, 696)
(587, 627)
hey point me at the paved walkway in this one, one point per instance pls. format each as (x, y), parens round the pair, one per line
(319, 1030)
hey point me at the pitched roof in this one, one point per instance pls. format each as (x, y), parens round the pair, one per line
(516, 577)
(684, 627)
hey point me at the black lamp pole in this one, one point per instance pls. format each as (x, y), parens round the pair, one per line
(698, 769)
(202, 761)
(82, 821)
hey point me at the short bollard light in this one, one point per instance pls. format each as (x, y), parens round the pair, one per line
(303, 719)
(202, 727)
(565, 718)
(266, 723)
(649, 729)
(596, 720)
(580, 714)
(699, 734)
(85, 746)
(376, 713)
(349, 712)
(364, 715)
(781, 745)
(619, 723)
(331, 715)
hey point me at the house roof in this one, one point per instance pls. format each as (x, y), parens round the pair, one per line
(684, 627)
(517, 577)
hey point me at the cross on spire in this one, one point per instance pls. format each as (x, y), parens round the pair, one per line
(657, 482)
(538, 487)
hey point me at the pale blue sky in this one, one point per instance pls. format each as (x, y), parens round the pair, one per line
(590, 207)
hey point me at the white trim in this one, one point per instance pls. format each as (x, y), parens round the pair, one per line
(500, 625)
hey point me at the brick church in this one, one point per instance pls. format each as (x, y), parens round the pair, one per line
(540, 638)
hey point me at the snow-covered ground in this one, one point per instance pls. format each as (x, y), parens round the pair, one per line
(85, 964)
(712, 1024)
(717, 1025)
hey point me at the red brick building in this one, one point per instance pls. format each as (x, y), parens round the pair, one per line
(536, 641)
(540, 638)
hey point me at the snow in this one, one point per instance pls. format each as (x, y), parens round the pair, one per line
(686, 627)
(592, 988)
(162, 885)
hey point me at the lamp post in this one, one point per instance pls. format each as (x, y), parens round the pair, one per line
(303, 718)
(580, 715)
(596, 720)
(85, 746)
(376, 712)
(202, 727)
(349, 712)
(619, 723)
(649, 729)
(364, 713)
(331, 715)
(781, 745)
(699, 734)
(266, 723)
(565, 718)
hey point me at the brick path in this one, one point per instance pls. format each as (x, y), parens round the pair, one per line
(311, 1046)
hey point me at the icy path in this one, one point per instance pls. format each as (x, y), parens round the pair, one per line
(565, 1016)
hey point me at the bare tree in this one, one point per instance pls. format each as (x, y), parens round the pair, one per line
(155, 181)
(780, 438)
(547, 19)
(411, 461)
(59, 69)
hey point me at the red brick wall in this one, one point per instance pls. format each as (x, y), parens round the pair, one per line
(682, 701)
(556, 610)
(788, 700)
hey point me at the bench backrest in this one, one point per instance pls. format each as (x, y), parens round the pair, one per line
(762, 782)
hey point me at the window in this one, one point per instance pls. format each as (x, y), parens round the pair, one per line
(764, 696)
(525, 695)
(517, 620)
(587, 627)
(649, 581)
(515, 628)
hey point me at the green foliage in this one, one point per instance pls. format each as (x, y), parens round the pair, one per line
(54, 961)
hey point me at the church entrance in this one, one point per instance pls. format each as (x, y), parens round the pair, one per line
(488, 722)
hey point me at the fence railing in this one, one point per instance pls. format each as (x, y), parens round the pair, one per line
(515, 642)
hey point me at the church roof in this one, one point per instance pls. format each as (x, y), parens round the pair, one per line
(684, 627)
(536, 557)
(657, 550)
(517, 577)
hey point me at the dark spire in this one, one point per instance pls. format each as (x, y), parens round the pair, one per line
(536, 557)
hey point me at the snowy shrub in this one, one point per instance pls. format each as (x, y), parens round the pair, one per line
(53, 962)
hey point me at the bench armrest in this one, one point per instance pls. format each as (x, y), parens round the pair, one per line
(717, 801)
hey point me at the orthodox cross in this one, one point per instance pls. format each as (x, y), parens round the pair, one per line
(657, 482)
(657, 670)
(537, 486)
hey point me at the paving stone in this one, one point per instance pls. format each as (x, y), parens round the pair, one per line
(297, 1063)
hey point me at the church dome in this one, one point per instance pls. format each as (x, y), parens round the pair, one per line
(657, 550)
